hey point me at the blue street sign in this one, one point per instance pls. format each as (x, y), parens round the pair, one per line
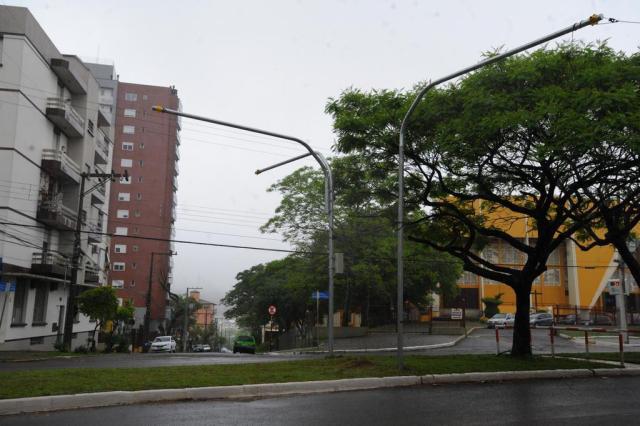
(322, 295)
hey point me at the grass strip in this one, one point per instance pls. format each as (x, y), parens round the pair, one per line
(632, 357)
(20, 384)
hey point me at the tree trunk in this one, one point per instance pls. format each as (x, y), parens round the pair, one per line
(521, 346)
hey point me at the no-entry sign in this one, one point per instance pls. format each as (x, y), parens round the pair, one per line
(272, 310)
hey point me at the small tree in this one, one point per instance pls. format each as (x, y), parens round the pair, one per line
(492, 305)
(99, 304)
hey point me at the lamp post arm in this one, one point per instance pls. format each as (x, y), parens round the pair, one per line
(282, 163)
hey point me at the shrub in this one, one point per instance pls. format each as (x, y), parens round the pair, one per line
(492, 305)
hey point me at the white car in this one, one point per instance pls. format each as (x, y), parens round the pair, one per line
(163, 344)
(501, 321)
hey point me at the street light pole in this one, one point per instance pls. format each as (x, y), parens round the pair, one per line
(75, 260)
(592, 20)
(147, 313)
(328, 188)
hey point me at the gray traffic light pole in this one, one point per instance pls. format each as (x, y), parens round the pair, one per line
(329, 189)
(592, 20)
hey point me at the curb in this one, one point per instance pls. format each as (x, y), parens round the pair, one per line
(394, 349)
(239, 392)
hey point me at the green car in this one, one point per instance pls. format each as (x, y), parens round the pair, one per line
(245, 344)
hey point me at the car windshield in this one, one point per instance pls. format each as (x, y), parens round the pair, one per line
(498, 316)
(162, 339)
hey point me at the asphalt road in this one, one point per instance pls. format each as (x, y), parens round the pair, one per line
(592, 401)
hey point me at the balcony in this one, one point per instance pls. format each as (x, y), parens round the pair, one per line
(104, 118)
(48, 263)
(69, 74)
(65, 117)
(98, 195)
(91, 275)
(58, 164)
(102, 148)
(95, 232)
(52, 212)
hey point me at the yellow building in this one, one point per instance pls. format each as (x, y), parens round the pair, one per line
(574, 279)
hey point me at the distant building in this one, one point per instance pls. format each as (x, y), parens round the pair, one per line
(205, 316)
(142, 207)
(53, 127)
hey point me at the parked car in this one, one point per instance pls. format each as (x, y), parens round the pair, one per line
(163, 344)
(245, 344)
(501, 320)
(201, 348)
(600, 319)
(540, 319)
(568, 319)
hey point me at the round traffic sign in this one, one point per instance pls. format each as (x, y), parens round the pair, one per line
(272, 310)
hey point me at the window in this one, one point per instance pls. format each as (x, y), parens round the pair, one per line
(118, 266)
(19, 303)
(122, 214)
(90, 127)
(127, 146)
(126, 162)
(133, 283)
(139, 196)
(491, 253)
(40, 305)
(124, 196)
(131, 97)
(135, 248)
(141, 163)
(139, 178)
(552, 276)
(468, 278)
(134, 265)
(121, 230)
(128, 129)
(117, 283)
(125, 181)
(141, 145)
(120, 248)
(129, 112)
(136, 230)
(145, 97)
(137, 213)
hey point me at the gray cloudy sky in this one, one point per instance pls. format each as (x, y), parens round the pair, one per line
(273, 64)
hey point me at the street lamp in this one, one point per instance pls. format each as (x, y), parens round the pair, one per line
(328, 188)
(147, 314)
(592, 20)
(185, 331)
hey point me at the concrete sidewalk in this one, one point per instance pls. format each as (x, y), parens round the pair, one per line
(243, 392)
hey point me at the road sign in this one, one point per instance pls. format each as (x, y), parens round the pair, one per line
(614, 287)
(456, 313)
(321, 295)
(272, 310)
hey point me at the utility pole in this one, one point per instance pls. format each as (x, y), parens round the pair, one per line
(147, 314)
(75, 260)
(185, 331)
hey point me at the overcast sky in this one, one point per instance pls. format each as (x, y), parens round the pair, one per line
(273, 65)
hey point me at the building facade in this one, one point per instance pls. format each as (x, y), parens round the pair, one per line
(53, 130)
(205, 315)
(142, 207)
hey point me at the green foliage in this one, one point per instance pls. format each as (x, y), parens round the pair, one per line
(99, 303)
(522, 139)
(492, 305)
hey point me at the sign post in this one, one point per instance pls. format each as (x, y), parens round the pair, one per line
(272, 311)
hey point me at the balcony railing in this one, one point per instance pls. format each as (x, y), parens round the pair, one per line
(102, 147)
(65, 117)
(52, 212)
(95, 231)
(49, 263)
(58, 164)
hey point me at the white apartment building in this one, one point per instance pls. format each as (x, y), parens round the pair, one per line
(54, 125)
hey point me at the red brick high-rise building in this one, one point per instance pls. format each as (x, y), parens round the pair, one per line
(146, 146)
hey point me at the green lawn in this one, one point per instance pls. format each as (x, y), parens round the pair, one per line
(19, 384)
(632, 357)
